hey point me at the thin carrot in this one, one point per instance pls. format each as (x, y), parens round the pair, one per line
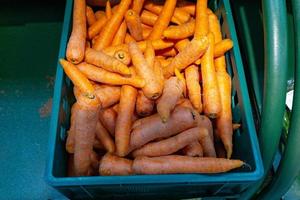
(181, 31)
(76, 44)
(194, 150)
(105, 138)
(90, 16)
(144, 106)
(159, 73)
(174, 164)
(128, 39)
(101, 3)
(94, 29)
(108, 118)
(107, 62)
(152, 88)
(107, 94)
(214, 27)
(123, 56)
(134, 24)
(111, 165)
(108, 11)
(137, 6)
(201, 29)
(99, 14)
(120, 35)
(168, 52)
(193, 86)
(148, 18)
(108, 32)
(149, 54)
(78, 78)
(163, 20)
(222, 47)
(100, 75)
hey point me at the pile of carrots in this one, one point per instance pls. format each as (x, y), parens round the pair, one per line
(151, 87)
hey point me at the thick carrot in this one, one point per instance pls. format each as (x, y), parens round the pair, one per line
(105, 138)
(194, 50)
(163, 19)
(124, 122)
(90, 16)
(149, 54)
(78, 78)
(100, 75)
(170, 145)
(76, 44)
(109, 30)
(123, 56)
(152, 88)
(172, 92)
(211, 94)
(222, 47)
(148, 18)
(108, 118)
(193, 86)
(168, 52)
(107, 62)
(201, 27)
(94, 29)
(128, 39)
(101, 3)
(137, 6)
(134, 25)
(181, 31)
(183, 164)
(107, 94)
(111, 165)
(108, 11)
(99, 14)
(194, 149)
(144, 106)
(120, 35)
(151, 128)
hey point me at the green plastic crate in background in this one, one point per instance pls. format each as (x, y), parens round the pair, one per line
(229, 184)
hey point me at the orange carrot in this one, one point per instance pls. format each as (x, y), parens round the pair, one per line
(76, 44)
(146, 31)
(123, 123)
(111, 165)
(187, 6)
(168, 52)
(151, 128)
(187, 56)
(99, 14)
(108, 118)
(207, 145)
(163, 20)
(194, 150)
(222, 47)
(109, 30)
(97, 144)
(107, 62)
(201, 25)
(123, 56)
(103, 135)
(181, 44)
(120, 35)
(152, 88)
(165, 62)
(100, 75)
(193, 86)
(159, 73)
(108, 11)
(70, 143)
(90, 16)
(78, 78)
(148, 18)
(101, 3)
(174, 164)
(211, 93)
(181, 31)
(128, 39)
(108, 95)
(149, 54)
(94, 29)
(137, 5)
(134, 24)
(144, 106)
(214, 27)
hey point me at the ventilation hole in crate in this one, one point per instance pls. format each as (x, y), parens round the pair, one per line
(236, 113)
(221, 20)
(235, 99)
(229, 64)
(63, 134)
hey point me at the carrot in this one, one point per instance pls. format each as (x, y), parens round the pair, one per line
(211, 93)
(152, 88)
(187, 56)
(222, 47)
(214, 27)
(183, 164)
(165, 62)
(187, 6)
(120, 35)
(105, 138)
(193, 86)
(107, 62)
(109, 30)
(181, 31)
(134, 24)
(90, 16)
(201, 26)
(70, 171)
(207, 145)
(111, 165)
(171, 145)
(144, 106)
(159, 73)
(163, 19)
(108, 11)
(123, 56)
(151, 128)
(70, 143)
(146, 31)
(204, 122)
(101, 3)
(97, 144)
(149, 54)
(134, 116)
(108, 95)
(168, 52)
(224, 121)
(76, 44)
(128, 38)
(148, 18)
(137, 6)
(172, 92)
(94, 29)
(194, 150)
(78, 78)
(108, 118)
(99, 14)
(123, 123)
(100, 75)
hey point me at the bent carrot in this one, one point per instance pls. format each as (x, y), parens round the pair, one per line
(123, 56)
(107, 62)
(194, 150)
(148, 18)
(94, 29)
(134, 24)
(181, 31)
(152, 88)
(76, 44)
(144, 106)
(193, 86)
(99, 14)
(163, 20)
(108, 95)
(108, 118)
(108, 32)
(90, 16)
(103, 135)
(222, 47)
(100, 75)
(183, 164)
(108, 11)
(123, 123)
(137, 5)
(111, 165)
(120, 35)
(78, 78)
(201, 27)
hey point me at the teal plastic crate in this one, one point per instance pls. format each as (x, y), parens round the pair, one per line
(172, 186)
